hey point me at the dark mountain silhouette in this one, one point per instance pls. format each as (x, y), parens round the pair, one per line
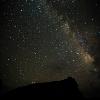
(67, 88)
(0, 86)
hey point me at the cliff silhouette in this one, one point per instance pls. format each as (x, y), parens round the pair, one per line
(63, 89)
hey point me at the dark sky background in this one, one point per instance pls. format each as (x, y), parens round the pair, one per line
(48, 40)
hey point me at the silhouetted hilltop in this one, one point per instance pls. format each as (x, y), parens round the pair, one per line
(67, 88)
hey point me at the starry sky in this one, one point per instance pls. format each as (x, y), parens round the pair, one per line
(48, 40)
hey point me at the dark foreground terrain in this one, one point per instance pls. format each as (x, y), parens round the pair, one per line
(64, 89)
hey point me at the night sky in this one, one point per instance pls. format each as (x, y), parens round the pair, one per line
(48, 40)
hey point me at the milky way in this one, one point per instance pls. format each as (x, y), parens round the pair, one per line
(45, 40)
